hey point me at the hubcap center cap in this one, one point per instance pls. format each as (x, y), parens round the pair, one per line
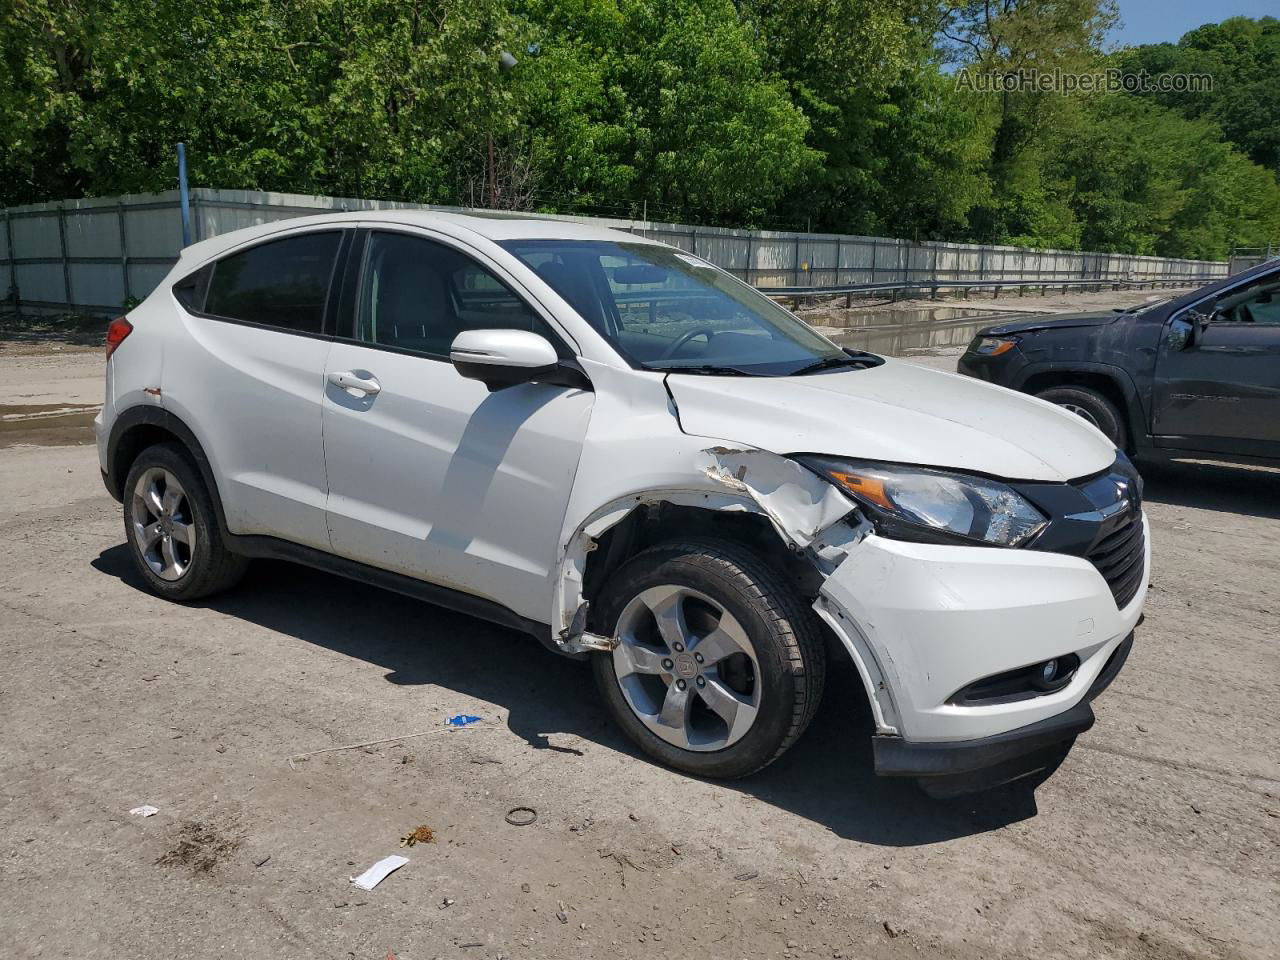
(686, 666)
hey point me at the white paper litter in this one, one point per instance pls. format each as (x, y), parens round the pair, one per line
(146, 810)
(378, 872)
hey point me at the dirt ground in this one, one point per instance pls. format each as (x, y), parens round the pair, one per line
(1156, 839)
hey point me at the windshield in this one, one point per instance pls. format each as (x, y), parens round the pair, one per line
(662, 309)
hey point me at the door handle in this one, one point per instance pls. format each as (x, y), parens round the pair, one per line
(348, 381)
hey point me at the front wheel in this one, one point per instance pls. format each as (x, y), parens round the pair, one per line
(1090, 406)
(719, 664)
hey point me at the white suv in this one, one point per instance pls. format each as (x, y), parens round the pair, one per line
(627, 453)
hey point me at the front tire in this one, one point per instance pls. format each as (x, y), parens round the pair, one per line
(720, 664)
(172, 530)
(1092, 407)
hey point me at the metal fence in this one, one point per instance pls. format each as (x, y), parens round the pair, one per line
(98, 255)
(1242, 258)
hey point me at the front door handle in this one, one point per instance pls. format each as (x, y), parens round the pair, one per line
(355, 385)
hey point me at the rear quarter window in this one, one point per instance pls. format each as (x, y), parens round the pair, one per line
(282, 283)
(190, 290)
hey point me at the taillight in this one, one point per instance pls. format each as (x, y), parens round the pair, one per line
(117, 330)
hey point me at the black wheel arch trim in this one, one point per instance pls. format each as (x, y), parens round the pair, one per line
(152, 416)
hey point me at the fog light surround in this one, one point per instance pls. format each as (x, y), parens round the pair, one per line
(1024, 683)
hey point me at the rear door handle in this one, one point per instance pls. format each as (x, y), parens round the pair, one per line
(355, 385)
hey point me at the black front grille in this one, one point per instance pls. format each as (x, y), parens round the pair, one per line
(1119, 556)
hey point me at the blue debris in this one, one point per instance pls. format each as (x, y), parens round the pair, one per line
(461, 720)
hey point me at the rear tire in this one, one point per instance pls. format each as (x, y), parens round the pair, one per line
(172, 529)
(744, 686)
(1092, 407)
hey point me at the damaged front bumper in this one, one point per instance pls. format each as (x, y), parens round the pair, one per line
(946, 769)
(928, 622)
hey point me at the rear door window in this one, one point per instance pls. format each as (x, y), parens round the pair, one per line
(282, 284)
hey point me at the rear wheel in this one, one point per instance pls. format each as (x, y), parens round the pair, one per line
(172, 530)
(1092, 407)
(719, 665)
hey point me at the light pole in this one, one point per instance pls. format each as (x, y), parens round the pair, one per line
(506, 63)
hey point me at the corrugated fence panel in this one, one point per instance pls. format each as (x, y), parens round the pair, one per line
(93, 231)
(36, 235)
(98, 285)
(42, 282)
(153, 232)
(117, 248)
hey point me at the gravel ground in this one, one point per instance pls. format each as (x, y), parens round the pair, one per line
(1156, 839)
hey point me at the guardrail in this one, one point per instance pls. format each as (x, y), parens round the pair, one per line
(797, 294)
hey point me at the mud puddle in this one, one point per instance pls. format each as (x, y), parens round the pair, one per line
(46, 424)
(906, 331)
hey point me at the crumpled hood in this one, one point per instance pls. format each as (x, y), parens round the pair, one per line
(897, 412)
(1061, 321)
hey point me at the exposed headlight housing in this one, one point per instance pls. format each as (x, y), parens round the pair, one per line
(934, 506)
(992, 346)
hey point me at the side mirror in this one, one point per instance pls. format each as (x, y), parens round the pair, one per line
(505, 358)
(1201, 320)
(1182, 332)
(1186, 329)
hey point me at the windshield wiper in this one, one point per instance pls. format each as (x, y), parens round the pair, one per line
(709, 369)
(830, 363)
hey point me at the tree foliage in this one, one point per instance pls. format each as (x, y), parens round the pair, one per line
(1243, 58)
(841, 114)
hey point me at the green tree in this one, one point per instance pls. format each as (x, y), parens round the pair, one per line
(1143, 179)
(349, 96)
(1013, 37)
(911, 162)
(672, 104)
(1242, 57)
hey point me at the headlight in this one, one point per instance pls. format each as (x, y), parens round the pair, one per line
(992, 346)
(915, 503)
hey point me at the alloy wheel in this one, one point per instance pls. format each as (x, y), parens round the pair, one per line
(164, 531)
(1082, 413)
(687, 668)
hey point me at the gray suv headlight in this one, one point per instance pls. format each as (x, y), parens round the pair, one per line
(917, 503)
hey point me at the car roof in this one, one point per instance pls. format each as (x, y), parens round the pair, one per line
(492, 225)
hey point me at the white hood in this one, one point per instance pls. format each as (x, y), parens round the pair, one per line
(898, 412)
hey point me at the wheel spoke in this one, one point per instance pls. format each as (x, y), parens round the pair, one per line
(737, 713)
(172, 497)
(667, 606)
(182, 533)
(169, 555)
(675, 709)
(631, 658)
(725, 640)
(151, 497)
